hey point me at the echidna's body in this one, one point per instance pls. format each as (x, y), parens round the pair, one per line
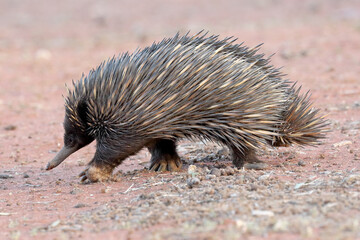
(184, 87)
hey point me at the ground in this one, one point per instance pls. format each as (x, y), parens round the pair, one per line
(304, 193)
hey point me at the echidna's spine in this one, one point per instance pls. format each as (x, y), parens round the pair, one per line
(302, 123)
(194, 86)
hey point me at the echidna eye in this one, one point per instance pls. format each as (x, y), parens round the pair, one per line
(69, 140)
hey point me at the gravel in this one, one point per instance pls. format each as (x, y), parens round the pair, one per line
(231, 203)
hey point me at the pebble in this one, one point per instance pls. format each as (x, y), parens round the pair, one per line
(281, 226)
(264, 177)
(301, 163)
(10, 128)
(229, 170)
(80, 205)
(255, 166)
(5, 176)
(206, 169)
(262, 213)
(342, 143)
(216, 172)
(105, 190)
(209, 176)
(192, 170)
(75, 191)
(352, 178)
(210, 191)
(253, 187)
(55, 223)
(191, 182)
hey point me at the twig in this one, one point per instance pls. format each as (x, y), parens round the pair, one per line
(127, 190)
(5, 214)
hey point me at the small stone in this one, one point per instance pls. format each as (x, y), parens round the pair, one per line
(80, 205)
(55, 223)
(352, 178)
(206, 169)
(281, 226)
(223, 172)
(342, 143)
(262, 213)
(142, 197)
(299, 185)
(191, 182)
(5, 214)
(286, 54)
(241, 224)
(26, 175)
(252, 187)
(301, 163)
(209, 176)
(75, 191)
(256, 166)
(5, 176)
(210, 191)
(10, 128)
(216, 172)
(192, 170)
(264, 177)
(316, 165)
(229, 170)
(105, 190)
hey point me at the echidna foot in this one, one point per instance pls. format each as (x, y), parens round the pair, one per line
(247, 159)
(252, 162)
(165, 164)
(96, 174)
(260, 165)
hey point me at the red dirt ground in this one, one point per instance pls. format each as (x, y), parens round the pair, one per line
(45, 44)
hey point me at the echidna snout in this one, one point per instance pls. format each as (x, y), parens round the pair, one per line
(185, 87)
(60, 157)
(73, 141)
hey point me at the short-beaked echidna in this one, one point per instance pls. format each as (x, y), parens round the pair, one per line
(184, 87)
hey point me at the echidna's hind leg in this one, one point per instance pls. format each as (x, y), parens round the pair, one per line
(247, 158)
(164, 156)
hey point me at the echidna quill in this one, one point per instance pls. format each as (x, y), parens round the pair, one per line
(195, 87)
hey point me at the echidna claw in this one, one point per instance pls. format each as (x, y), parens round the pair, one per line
(172, 165)
(96, 174)
(83, 179)
(83, 173)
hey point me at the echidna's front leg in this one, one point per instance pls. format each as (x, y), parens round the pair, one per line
(102, 165)
(247, 159)
(164, 156)
(96, 173)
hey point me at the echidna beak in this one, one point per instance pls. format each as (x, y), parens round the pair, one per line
(60, 157)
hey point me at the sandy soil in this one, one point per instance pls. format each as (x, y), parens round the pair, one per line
(304, 193)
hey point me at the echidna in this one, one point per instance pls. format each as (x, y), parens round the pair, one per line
(195, 87)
